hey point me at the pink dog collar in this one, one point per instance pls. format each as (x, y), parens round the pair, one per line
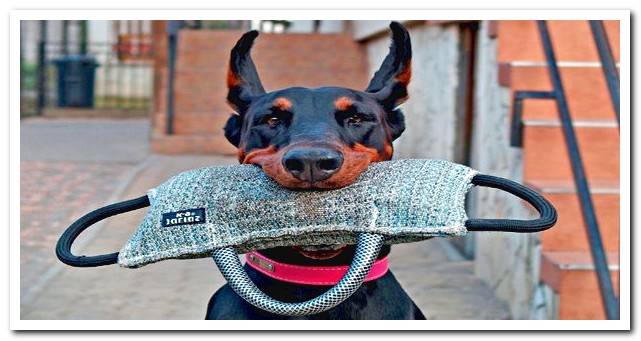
(310, 275)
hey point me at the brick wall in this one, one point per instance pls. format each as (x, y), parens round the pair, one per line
(283, 60)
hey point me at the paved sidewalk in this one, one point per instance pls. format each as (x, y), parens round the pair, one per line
(61, 189)
(84, 140)
(52, 194)
(67, 167)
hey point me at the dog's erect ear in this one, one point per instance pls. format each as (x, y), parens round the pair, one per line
(233, 128)
(389, 84)
(242, 78)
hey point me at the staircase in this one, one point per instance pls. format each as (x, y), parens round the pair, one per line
(567, 266)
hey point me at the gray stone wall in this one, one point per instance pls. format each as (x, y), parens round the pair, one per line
(507, 262)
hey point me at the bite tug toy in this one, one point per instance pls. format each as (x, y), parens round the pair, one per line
(223, 211)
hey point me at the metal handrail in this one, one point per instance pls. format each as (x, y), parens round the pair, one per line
(516, 132)
(610, 301)
(608, 65)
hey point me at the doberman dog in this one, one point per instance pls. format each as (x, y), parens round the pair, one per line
(321, 138)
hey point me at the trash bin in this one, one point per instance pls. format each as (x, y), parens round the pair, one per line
(76, 74)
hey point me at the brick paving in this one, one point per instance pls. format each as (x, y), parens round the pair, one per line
(52, 195)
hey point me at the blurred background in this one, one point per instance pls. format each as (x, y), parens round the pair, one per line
(112, 108)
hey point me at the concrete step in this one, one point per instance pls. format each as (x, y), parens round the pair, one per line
(569, 233)
(572, 40)
(196, 123)
(95, 113)
(191, 144)
(572, 277)
(545, 155)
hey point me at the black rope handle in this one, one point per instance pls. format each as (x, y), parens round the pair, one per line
(546, 211)
(63, 247)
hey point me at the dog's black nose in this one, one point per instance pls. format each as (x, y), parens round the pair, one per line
(312, 164)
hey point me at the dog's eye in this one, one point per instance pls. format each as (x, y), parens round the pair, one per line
(355, 119)
(276, 118)
(272, 121)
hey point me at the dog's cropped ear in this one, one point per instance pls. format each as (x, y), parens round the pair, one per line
(243, 82)
(389, 84)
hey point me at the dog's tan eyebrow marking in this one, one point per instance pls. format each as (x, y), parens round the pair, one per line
(343, 103)
(282, 103)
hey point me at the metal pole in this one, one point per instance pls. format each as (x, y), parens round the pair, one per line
(65, 38)
(42, 69)
(610, 302)
(84, 36)
(22, 63)
(139, 58)
(128, 66)
(607, 62)
(172, 41)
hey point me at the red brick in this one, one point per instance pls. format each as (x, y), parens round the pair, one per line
(578, 289)
(569, 233)
(572, 40)
(545, 155)
(585, 89)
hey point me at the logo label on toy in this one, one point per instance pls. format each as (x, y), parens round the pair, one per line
(184, 217)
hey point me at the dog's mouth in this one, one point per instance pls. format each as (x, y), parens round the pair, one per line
(320, 252)
(278, 165)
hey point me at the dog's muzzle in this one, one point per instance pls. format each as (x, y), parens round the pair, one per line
(222, 211)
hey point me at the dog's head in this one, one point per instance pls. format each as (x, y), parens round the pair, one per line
(317, 138)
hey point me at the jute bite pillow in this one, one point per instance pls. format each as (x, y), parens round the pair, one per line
(201, 210)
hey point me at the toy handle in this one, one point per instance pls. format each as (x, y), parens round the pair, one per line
(368, 246)
(546, 211)
(63, 247)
